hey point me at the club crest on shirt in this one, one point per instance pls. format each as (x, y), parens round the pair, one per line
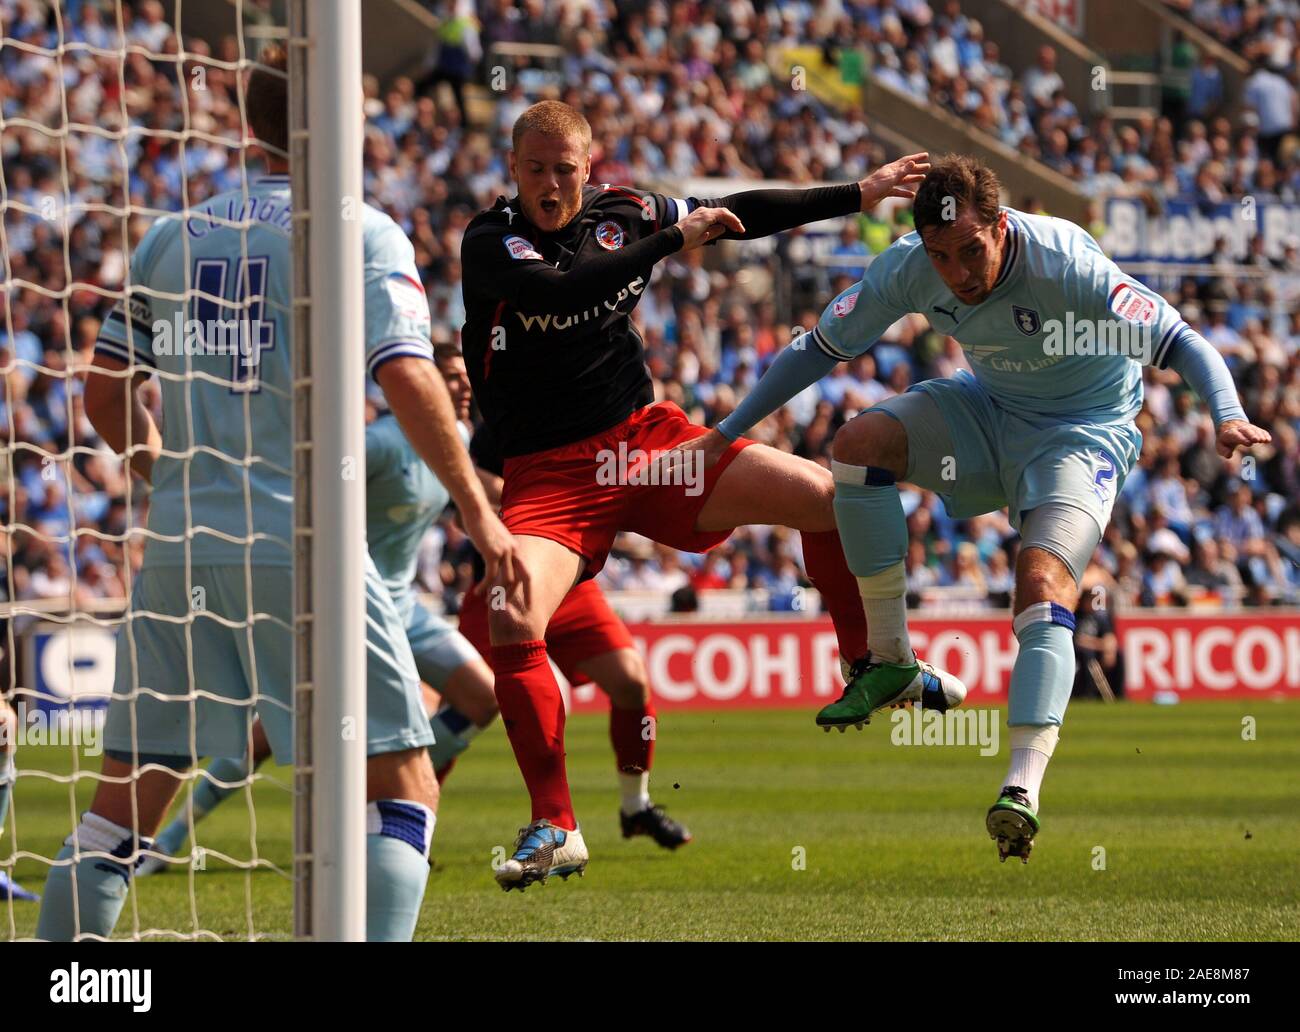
(1026, 320)
(845, 304)
(610, 236)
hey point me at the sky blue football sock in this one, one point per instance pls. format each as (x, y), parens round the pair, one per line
(452, 733)
(101, 884)
(1043, 675)
(869, 513)
(398, 833)
(873, 530)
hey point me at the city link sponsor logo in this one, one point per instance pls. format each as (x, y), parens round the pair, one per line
(244, 337)
(1092, 338)
(103, 985)
(82, 728)
(973, 727)
(635, 467)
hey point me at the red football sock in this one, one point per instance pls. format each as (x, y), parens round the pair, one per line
(823, 557)
(633, 737)
(532, 710)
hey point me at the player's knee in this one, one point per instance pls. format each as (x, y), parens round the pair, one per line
(1044, 577)
(407, 774)
(872, 439)
(511, 622)
(628, 687)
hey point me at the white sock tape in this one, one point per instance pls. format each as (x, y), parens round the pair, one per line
(888, 583)
(1041, 739)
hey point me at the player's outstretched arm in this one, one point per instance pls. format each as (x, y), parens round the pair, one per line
(110, 401)
(765, 212)
(1203, 369)
(797, 367)
(503, 266)
(416, 393)
(1104, 292)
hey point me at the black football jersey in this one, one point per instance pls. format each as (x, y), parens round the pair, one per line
(554, 359)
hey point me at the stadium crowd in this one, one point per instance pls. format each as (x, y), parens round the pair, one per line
(673, 91)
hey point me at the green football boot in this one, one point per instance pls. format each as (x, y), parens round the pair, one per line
(1012, 823)
(872, 685)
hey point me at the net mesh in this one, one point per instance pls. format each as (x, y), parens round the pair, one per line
(112, 117)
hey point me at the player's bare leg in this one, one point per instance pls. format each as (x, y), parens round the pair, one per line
(633, 731)
(1046, 596)
(469, 689)
(532, 710)
(219, 780)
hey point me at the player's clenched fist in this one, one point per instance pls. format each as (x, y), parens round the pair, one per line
(894, 179)
(706, 224)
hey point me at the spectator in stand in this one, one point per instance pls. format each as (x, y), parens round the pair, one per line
(1099, 661)
(457, 54)
(850, 243)
(1206, 95)
(713, 574)
(1163, 583)
(1211, 579)
(1237, 522)
(1276, 105)
(1041, 80)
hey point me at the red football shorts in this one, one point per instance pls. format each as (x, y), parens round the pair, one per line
(582, 628)
(566, 494)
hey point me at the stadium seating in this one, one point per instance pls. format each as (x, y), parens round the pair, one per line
(678, 92)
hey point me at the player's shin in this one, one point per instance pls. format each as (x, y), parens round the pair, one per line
(532, 710)
(1041, 681)
(398, 834)
(873, 529)
(84, 893)
(828, 569)
(632, 732)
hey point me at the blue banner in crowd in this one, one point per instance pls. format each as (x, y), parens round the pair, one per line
(1184, 231)
(70, 666)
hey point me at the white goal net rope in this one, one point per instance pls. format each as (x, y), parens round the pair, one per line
(110, 118)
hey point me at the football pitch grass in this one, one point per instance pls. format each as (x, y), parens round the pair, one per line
(1160, 823)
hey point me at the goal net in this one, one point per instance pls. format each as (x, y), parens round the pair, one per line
(115, 114)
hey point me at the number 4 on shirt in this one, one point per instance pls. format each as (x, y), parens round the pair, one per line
(248, 334)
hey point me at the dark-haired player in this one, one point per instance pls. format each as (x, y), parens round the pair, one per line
(1056, 335)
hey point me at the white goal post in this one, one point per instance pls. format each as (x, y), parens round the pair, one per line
(329, 466)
